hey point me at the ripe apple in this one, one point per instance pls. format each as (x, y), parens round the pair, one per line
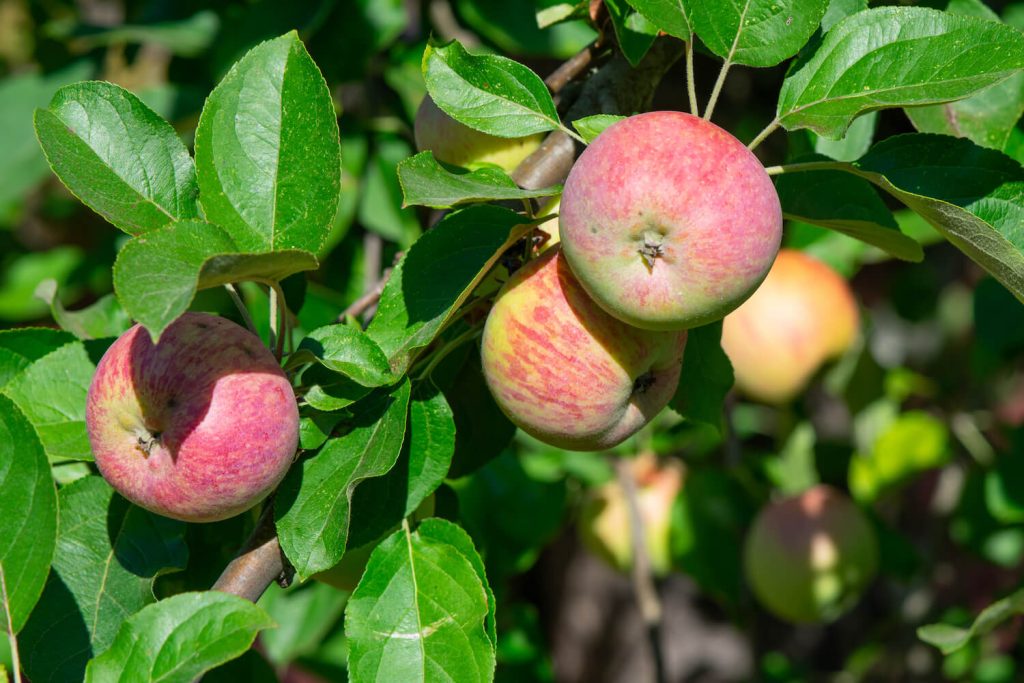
(454, 143)
(802, 315)
(668, 221)
(565, 371)
(606, 524)
(808, 558)
(199, 427)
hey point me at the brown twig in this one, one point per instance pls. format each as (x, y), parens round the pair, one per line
(616, 88)
(571, 69)
(368, 299)
(644, 589)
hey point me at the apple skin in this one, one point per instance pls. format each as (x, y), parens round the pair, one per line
(455, 143)
(566, 372)
(808, 558)
(606, 526)
(803, 314)
(668, 221)
(199, 427)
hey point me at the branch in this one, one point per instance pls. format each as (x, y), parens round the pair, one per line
(616, 88)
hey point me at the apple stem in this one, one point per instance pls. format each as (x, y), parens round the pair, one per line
(242, 308)
(719, 82)
(644, 589)
(443, 352)
(278, 327)
(12, 639)
(691, 85)
(768, 130)
(807, 166)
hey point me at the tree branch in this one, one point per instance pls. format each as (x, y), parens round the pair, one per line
(616, 88)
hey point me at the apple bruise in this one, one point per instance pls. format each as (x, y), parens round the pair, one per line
(565, 371)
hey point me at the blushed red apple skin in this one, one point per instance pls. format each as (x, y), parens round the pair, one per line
(458, 144)
(565, 371)
(803, 314)
(684, 184)
(809, 557)
(212, 405)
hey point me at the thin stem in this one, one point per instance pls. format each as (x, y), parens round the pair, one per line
(643, 575)
(805, 166)
(242, 309)
(280, 305)
(719, 82)
(768, 130)
(570, 69)
(443, 352)
(568, 131)
(12, 639)
(691, 84)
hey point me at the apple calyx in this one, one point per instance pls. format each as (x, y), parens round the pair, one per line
(644, 382)
(652, 247)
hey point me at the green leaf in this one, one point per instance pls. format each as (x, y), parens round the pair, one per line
(179, 638)
(419, 612)
(22, 272)
(482, 431)
(949, 639)
(846, 204)
(755, 32)
(28, 517)
(896, 57)
(103, 318)
(118, 156)
(51, 394)
(380, 201)
(426, 183)
(157, 275)
(589, 127)
(794, 469)
(854, 144)
(305, 614)
(634, 32)
(381, 503)
(346, 349)
(267, 150)
(108, 554)
(840, 9)
(437, 275)
(492, 94)
(671, 16)
(328, 391)
(314, 501)
(706, 377)
(21, 347)
(987, 118)
(914, 442)
(188, 37)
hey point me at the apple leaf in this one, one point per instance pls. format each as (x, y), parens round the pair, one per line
(425, 182)
(422, 609)
(915, 441)
(846, 204)
(51, 394)
(854, 144)
(28, 517)
(306, 613)
(492, 94)
(380, 199)
(118, 156)
(22, 346)
(156, 275)
(437, 275)
(671, 16)
(313, 503)
(987, 118)
(207, 629)
(840, 9)
(268, 153)
(108, 553)
(589, 127)
(949, 639)
(103, 318)
(634, 32)
(896, 57)
(381, 503)
(329, 391)
(346, 349)
(706, 377)
(755, 32)
(482, 431)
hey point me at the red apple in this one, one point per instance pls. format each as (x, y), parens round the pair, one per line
(564, 370)
(809, 558)
(199, 427)
(668, 221)
(606, 524)
(802, 315)
(454, 143)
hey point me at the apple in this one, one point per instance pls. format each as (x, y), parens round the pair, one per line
(565, 371)
(803, 314)
(199, 427)
(808, 558)
(668, 221)
(455, 143)
(606, 524)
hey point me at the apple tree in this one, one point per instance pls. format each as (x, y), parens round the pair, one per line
(463, 341)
